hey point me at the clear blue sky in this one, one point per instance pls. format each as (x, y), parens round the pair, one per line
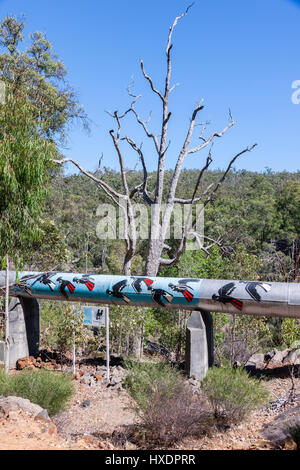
(238, 54)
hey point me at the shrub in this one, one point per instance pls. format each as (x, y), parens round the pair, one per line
(232, 393)
(290, 331)
(50, 390)
(166, 406)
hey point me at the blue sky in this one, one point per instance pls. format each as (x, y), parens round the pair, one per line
(238, 54)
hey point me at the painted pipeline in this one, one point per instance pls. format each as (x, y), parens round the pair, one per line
(240, 297)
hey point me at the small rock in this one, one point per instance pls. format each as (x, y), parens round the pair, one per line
(69, 356)
(52, 429)
(130, 446)
(14, 414)
(115, 380)
(278, 357)
(279, 430)
(256, 360)
(24, 362)
(105, 445)
(89, 439)
(42, 416)
(269, 355)
(85, 380)
(293, 357)
(12, 403)
(290, 444)
(85, 403)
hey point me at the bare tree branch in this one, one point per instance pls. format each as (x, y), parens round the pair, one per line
(199, 198)
(144, 185)
(108, 189)
(210, 139)
(130, 227)
(144, 125)
(248, 149)
(151, 83)
(183, 242)
(174, 24)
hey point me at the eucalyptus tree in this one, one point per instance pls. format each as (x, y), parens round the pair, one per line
(36, 107)
(39, 73)
(25, 161)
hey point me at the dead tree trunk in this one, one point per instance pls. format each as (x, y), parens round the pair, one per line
(158, 252)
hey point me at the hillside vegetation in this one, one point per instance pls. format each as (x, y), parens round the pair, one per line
(257, 217)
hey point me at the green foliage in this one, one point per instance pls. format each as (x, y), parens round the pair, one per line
(164, 403)
(50, 250)
(144, 379)
(60, 325)
(70, 329)
(24, 174)
(40, 75)
(196, 263)
(125, 323)
(38, 106)
(290, 331)
(232, 393)
(238, 337)
(50, 390)
(288, 208)
(235, 215)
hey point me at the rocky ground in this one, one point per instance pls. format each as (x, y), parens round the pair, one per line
(100, 415)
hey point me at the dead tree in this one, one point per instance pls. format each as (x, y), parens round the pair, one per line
(159, 253)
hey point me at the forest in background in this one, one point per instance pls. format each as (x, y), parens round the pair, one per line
(255, 215)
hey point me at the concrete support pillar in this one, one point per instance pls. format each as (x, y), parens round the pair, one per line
(199, 344)
(209, 326)
(17, 332)
(31, 311)
(24, 329)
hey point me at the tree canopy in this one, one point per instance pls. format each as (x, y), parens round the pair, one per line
(40, 73)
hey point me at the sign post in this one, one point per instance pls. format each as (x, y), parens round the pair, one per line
(107, 342)
(99, 317)
(74, 341)
(74, 351)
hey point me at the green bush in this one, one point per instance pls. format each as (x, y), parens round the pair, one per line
(50, 390)
(145, 378)
(232, 393)
(164, 403)
(290, 331)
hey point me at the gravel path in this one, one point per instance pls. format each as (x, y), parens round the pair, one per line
(101, 417)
